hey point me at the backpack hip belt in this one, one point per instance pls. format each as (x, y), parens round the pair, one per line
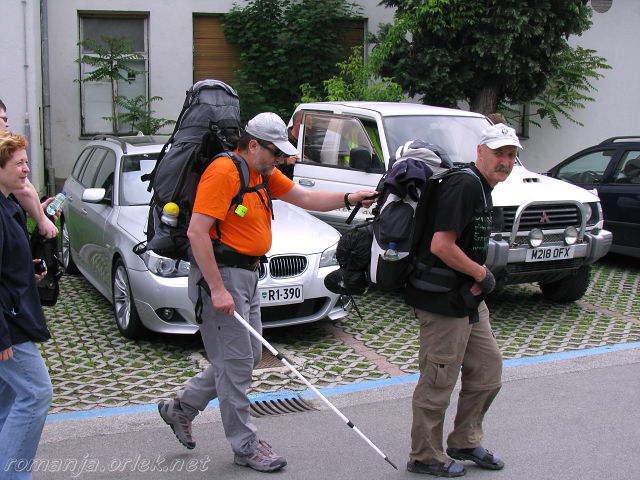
(226, 256)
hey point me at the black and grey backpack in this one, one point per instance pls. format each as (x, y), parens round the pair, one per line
(208, 125)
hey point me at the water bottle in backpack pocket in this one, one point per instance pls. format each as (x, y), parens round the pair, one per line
(392, 243)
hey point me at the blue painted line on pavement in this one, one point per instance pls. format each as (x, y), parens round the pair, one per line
(339, 390)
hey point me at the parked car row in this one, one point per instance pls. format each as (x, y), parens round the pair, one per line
(544, 230)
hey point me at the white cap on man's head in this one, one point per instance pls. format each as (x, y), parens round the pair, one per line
(499, 135)
(269, 126)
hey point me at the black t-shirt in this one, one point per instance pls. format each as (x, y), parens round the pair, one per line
(462, 203)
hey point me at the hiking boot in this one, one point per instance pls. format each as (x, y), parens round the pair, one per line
(173, 416)
(262, 459)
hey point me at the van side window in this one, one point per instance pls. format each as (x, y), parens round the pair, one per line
(340, 142)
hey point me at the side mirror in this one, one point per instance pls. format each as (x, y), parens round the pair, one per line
(93, 195)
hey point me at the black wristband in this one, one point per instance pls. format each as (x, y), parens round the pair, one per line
(488, 284)
(346, 201)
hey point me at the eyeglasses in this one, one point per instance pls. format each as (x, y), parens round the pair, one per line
(276, 152)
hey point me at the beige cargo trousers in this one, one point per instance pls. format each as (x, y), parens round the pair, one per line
(446, 344)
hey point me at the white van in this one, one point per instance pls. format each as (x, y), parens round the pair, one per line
(544, 230)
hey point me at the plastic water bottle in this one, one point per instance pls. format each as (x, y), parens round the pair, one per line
(391, 254)
(54, 206)
(170, 214)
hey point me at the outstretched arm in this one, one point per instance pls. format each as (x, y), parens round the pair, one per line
(325, 201)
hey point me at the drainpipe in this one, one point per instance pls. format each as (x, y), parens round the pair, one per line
(27, 126)
(46, 99)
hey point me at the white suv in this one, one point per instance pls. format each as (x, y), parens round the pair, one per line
(544, 230)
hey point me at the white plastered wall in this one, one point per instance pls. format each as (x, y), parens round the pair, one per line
(615, 36)
(20, 85)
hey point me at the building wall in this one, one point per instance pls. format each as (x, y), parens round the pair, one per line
(615, 36)
(170, 60)
(20, 85)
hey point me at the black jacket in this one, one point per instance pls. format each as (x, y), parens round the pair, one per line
(22, 318)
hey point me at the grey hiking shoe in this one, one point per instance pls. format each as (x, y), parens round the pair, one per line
(262, 459)
(178, 421)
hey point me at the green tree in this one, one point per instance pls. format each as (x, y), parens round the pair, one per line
(355, 81)
(283, 44)
(111, 59)
(490, 53)
(138, 114)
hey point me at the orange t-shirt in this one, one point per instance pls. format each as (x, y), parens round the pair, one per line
(251, 234)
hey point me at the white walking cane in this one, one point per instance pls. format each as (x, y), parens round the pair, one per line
(280, 357)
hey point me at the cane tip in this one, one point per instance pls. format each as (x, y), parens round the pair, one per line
(390, 463)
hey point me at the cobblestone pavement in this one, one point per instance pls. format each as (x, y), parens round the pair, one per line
(92, 366)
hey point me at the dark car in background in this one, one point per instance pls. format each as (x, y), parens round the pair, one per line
(612, 168)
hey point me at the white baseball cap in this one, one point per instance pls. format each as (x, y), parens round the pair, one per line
(499, 135)
(269, 126)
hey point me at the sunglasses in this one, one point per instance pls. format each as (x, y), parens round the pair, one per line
(276, 152)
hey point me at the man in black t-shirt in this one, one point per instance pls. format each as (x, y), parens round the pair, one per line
(455, 330)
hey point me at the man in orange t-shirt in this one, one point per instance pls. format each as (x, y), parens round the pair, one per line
(227, 248)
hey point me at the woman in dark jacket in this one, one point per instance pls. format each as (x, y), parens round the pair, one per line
(25, 387)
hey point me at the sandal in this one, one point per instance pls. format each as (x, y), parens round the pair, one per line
(448, 469)
(480, 455)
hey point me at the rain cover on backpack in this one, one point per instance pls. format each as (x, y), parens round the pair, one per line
(209, 120)
(397, 218)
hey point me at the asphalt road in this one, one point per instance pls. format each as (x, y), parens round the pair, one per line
(566, 418)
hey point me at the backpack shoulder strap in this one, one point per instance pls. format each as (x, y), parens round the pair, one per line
(245, 175)
(471, 172)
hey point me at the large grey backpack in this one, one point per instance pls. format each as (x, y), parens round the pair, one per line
(206, 127)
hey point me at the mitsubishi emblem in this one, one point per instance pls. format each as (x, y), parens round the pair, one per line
(545, 218)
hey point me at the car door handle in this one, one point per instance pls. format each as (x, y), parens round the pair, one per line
(307, 182)
(84, 211)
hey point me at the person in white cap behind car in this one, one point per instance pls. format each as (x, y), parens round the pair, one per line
(455, 331)
(227, 246)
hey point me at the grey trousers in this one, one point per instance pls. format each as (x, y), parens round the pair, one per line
(233, 354)
(446, 344)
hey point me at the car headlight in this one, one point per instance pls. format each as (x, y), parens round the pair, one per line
(593, 213)
(165, 267)
(328, 258)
